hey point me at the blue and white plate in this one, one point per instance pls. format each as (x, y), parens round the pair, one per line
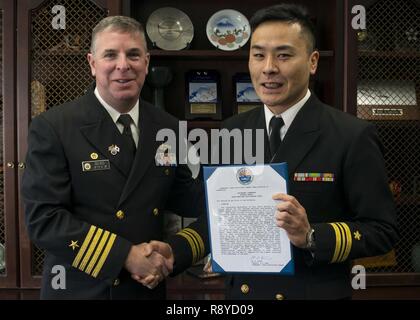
(228, 30)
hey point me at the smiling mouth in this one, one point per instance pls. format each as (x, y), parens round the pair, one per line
(123, 80)
(272, 85)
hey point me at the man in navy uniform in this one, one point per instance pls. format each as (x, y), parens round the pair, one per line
(339, 205)
(94, 195)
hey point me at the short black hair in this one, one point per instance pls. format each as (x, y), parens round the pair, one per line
(288, 13)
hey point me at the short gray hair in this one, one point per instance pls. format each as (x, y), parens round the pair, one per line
(120, 24)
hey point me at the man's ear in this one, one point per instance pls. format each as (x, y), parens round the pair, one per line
(147, 62)
(313, 60)
(91, 61)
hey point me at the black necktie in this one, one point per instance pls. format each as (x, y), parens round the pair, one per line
(275, 139)
(125, 120)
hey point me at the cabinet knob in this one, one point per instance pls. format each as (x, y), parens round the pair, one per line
(21, 165)
(10, 164)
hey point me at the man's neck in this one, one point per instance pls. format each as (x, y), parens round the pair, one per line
(122, 107)
(279, 109)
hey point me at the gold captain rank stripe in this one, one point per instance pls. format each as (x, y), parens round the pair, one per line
(85, 244)
(97, 245)
(343, 241)
(104, 255)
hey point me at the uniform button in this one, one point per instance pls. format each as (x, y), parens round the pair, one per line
(120, 214)
(167, 171)
(244, 288)
(116, 282)
(155, 211)
(279, 296)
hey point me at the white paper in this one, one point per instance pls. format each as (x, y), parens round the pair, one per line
(244, 236)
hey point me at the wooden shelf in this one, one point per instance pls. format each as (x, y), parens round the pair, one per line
(204, 124)
(213, 54)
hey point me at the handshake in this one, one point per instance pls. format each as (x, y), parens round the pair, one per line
(150, 263)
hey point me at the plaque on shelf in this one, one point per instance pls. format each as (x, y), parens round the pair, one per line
(203, 95)
(387, 100)
(245, 96)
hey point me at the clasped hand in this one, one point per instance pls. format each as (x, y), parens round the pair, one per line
(150, 263)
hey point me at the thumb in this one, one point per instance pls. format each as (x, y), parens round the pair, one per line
(146, 249)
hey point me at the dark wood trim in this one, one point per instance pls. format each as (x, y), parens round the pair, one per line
(25, 8)
(114, 7)
(393, 279)
(387, 293)
(339, 51)
(9, 294)
(126, 8)
(9, 145)
(350, 61)
(23, 117)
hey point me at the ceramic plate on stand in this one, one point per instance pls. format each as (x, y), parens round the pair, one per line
(228, 30)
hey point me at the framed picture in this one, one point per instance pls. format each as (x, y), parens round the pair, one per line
(203, 95)
(245, 96)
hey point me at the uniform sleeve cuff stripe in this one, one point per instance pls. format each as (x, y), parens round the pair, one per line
(337, 242)
(198, 240)
(193, 239)
(191, 243)
(97, 252)
(343, 242)
(349, 241)
(104, 255)
(91, 249)
(84, 246)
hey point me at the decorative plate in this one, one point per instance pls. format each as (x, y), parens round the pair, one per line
(170, 29)
(228, 30)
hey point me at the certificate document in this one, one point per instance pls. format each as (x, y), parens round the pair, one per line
(240, 208)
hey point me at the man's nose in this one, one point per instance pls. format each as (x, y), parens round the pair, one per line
(270, 65)
(123, 63)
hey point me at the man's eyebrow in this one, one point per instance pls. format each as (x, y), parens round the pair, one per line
(279, 48)
(285, 47)
(109, 50)
(257, 47)
(131, 50)
(134, 50)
